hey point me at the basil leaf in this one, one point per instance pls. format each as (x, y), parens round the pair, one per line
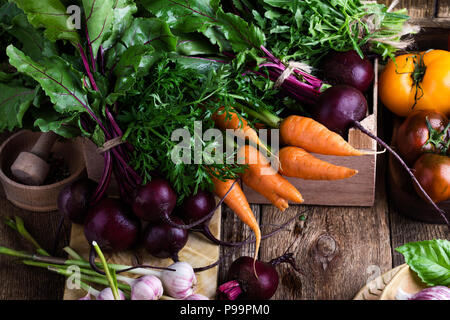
(429, 259)
(51, 15)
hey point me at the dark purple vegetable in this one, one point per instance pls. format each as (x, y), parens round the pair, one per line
(112, 225)
(244, 285)
(154, 201)
(195, 207)
(165, 241)
(73, 200)
(341, 107)
(349, 69)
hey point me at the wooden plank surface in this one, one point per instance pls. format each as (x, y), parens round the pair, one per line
(417, 8)
(443, 9)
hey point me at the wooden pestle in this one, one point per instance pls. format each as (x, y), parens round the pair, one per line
(31, 168)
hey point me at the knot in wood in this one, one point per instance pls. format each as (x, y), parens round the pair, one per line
(326, 245)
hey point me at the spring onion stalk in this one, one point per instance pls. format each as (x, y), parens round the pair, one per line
(18, 225)
(63, 270)
(72, 253)
(111, 281)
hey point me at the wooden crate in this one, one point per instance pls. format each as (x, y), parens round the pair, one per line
(358, 190)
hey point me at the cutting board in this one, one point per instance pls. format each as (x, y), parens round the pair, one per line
(199, 252)
(391, 284)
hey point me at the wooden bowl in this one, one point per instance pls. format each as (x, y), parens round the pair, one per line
(392, 285)
(37, 198)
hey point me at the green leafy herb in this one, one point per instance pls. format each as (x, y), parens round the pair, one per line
(429, 259)
(175, 98)
(307, 30)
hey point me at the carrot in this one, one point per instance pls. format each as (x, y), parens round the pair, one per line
(231, 120)
(261, 177)
(296, 162)
(314, 137)
(237, 202)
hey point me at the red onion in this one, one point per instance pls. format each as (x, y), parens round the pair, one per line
(432, 293)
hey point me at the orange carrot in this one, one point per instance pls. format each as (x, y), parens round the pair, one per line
(296, 162)
(263, 178)
(314, 137)
(237, 202)
(231, 120)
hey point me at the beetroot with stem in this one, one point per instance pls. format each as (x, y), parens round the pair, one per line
(196, 207)
(112, 225)
(154, 201)
(164, 241)
(244, 285)
(339, 106)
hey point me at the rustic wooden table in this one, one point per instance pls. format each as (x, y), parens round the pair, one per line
(338, 249)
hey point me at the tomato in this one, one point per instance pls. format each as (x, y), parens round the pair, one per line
(414, 138)
(433, 173)
(417, 81)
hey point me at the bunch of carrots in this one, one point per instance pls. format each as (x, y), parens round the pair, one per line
(299, 136)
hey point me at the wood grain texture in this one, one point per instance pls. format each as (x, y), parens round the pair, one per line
(332, 240)
(404, 230)
(416, 8)
(443, 8)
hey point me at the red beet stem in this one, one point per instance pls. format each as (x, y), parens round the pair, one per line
(230, 290)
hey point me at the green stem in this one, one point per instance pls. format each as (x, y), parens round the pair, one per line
(88, 278)
(107, 271)
(88, 275)
(15, 253)
(73, 254)
(264, 116)
(79, 263)
(18, 225)
(88, 288)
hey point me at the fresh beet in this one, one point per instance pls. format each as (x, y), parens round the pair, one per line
(195, 207)
(112, 225)
(162, 240)
(243, 284)
(154, 201)
(339, 106)
(199, 207)
(348, 68)
(73, 200)
(261, 288)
